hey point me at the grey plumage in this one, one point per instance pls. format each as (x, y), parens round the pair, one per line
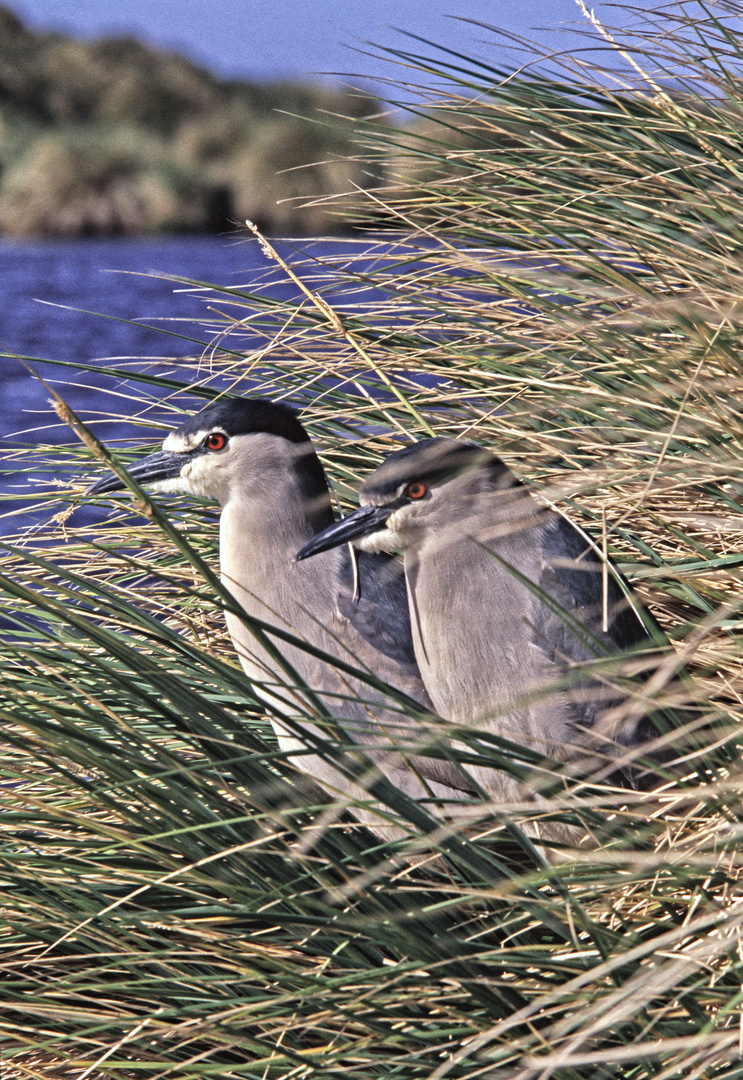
(506, 598)
(254, 457)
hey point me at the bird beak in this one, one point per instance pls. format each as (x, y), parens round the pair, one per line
(162, 465)
(365, 520)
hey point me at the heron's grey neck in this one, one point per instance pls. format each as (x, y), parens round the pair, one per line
(449, 575)
(266, 474)
(280, 501)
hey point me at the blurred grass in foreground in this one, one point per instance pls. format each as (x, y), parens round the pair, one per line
(177, 901)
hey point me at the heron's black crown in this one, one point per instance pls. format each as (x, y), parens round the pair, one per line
(434, 461)
(245, 416)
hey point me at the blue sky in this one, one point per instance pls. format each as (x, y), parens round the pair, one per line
(269, 40)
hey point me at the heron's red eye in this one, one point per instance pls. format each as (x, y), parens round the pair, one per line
(215, 441)
(416, 490)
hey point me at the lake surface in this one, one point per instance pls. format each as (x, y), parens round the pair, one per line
(44, 284)
(104, 302)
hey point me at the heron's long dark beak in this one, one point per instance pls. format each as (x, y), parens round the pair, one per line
(162, 465)
(365, 520)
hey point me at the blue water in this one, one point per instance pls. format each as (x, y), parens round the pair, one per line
(114, 304)
(44, 286)
(105, 302)
(43, 283)
(123, 288)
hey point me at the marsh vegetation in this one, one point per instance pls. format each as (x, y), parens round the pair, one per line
(177, 900)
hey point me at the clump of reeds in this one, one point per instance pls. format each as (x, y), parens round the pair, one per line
(566, 291)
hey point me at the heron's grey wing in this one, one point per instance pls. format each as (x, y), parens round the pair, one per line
(572, 576)
(375, 602)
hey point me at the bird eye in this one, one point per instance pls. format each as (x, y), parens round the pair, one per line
(215, 441)
(416, 490)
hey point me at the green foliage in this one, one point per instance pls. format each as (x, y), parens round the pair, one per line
(202, 152)
(176, 899)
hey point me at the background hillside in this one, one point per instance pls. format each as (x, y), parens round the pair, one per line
(112, 137)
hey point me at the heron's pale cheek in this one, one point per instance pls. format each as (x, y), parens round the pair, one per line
(188, 482)
(386, 539)
(396, 520)
(174, 485)
(201, 477)
(383, 540)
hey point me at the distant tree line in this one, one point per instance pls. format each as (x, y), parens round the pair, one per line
(111, 137)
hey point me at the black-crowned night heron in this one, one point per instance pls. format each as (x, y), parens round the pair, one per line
(254, 457)
(506, 598)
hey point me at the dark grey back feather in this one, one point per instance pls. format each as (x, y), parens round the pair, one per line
(378, 608)
(574, 576)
